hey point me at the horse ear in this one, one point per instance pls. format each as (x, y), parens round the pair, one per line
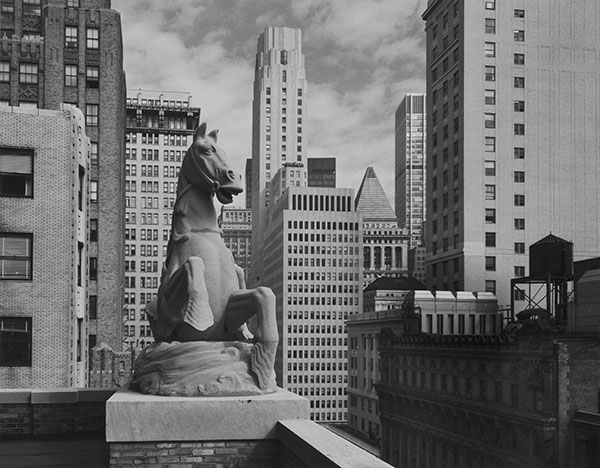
(214, 134)
(200, 131)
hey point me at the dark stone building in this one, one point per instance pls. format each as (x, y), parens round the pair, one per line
(485, 401)
(70, 51)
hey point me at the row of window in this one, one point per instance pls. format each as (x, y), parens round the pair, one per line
(322, 276)
(159, 102)
(153, 155)
(145, 282)
(318, 378)
(145, 266)
(92, 37)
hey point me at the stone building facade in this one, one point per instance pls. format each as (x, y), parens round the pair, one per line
(70, 51)
(511, 115)
(484, 401)
(236, 224)
(159, 129)
(385, 249)
(313, 265)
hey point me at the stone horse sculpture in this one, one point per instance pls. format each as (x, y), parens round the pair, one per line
(199, 316)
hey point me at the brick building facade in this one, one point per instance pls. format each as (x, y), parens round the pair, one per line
(70, 51)
(44, 239)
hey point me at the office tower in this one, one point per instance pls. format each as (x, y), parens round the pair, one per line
(160, 126)
(278, 110)
(410, 166)
(313, 264)
(70, 51)
(44, 243)
(321, 172)
(236, 224)
(385, 247)
(512, 136)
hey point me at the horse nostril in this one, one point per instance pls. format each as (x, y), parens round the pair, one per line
(216, 185)
(231, 174)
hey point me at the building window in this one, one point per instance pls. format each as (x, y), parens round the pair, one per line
(28, 73)
(490, 4)
(73, 3)
(519, 271)
(519, 152)
(519, 81)
(519, 35)
(490, 73)
(32, 7)
(519, 224)
(92, 38)
(490, 216)
(490, 26)
(15, 341)
(94, 152)
(16, 172)
(519, 13)
(283, 57)
(520, 177)
(71, 36)
(519, 106)
(490, 168)
(490, 144)
(15, 256)
(490, 49)
(93, 230)
(91, 115)
(519, 129)
(519, 200)
(91, 77)
(490, 192)
(519, 59)
(490, 239)
(70, 75)
(4, 72)
(93, 268)
(94, 191)
(490, 120)
(490, 96)
(490, 263)
(490, 286)
(519, 247)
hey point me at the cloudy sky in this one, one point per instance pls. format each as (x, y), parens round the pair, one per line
(361, 56)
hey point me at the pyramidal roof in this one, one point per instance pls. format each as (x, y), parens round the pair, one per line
(371, 200)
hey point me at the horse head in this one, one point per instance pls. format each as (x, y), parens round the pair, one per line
(206, 168)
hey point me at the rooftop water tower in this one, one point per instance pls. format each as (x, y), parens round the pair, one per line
(550, 271)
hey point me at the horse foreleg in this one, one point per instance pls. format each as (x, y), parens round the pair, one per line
(242, 306)
(183, 299)
(242, 332)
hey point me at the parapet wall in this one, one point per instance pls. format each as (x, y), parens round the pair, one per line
(52, 412)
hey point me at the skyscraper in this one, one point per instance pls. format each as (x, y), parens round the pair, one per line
(70, 51)
(313, 265)
(277, 122)
(160, 126)
(410, 166)
(512, 106)
(385, 245)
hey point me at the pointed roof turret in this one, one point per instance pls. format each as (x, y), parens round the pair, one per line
(371, 200)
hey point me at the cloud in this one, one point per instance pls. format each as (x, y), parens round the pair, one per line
(361, 58)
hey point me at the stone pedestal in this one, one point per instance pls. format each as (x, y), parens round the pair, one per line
(176, 431)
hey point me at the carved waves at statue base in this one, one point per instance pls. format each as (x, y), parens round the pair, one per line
(198, 319)
(202, 368)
